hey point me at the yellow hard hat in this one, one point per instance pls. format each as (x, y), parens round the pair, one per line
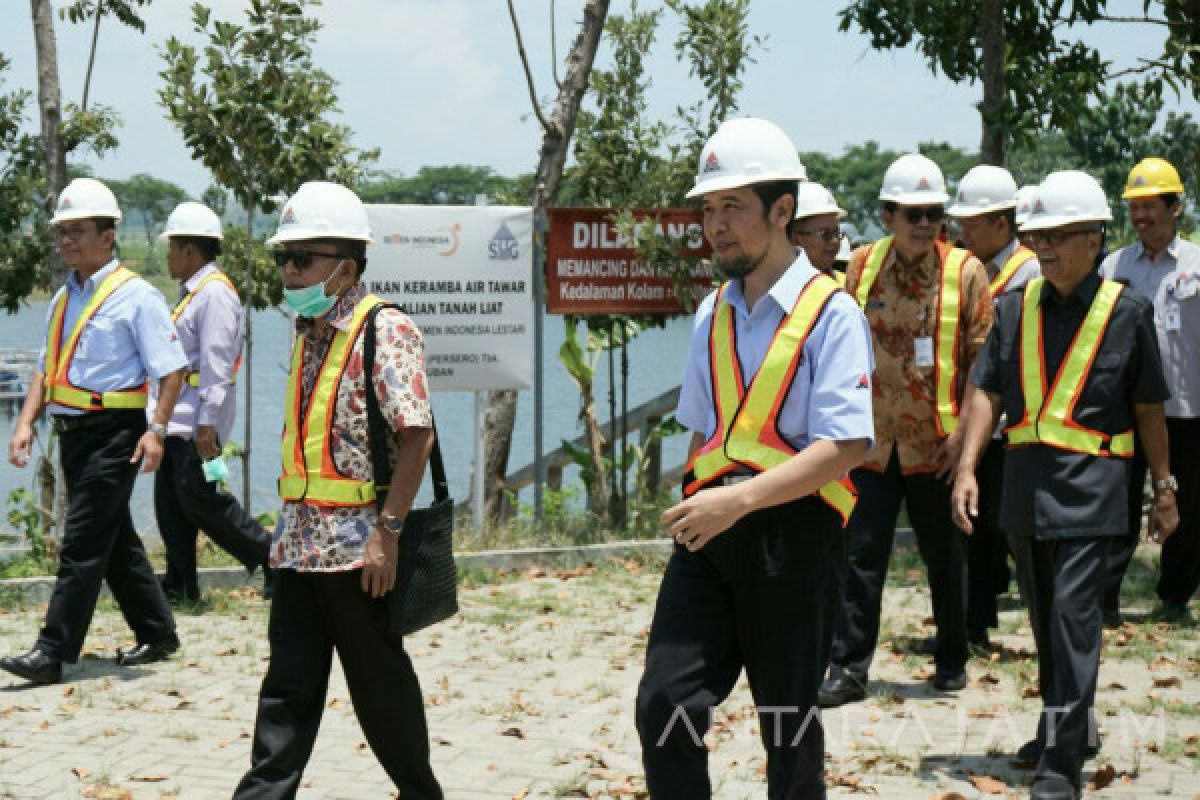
(1150, 177)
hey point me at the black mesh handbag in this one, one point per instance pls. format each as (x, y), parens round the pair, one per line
(426, 590)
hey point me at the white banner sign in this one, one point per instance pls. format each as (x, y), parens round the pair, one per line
(464, 275)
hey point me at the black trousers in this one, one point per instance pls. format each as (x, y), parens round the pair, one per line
(312, 614)
(1121, 549)
(1062, 583)
(1180, 563)
(987, 547)
(99, 541)
(185, 503)
(761, 596)
(870, 534)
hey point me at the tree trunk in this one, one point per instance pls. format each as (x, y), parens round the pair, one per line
(502, 405)
(598, 497)
(991, 110)
(87, 78)
(50, 105)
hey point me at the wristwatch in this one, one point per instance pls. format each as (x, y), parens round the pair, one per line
(1163, 484)
(391, 523)
(159, 428)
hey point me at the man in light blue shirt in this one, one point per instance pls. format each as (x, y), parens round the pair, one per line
(1164, 268)
(777, 392)
(108, 334)
(187, 500)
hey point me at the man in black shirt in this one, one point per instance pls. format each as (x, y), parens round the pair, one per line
(1073, 361)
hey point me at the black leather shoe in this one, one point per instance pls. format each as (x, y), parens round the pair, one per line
(979, 640)
(1031, 752)
(35, 667)
(845, 688)
(950, 680)
(148, 653)
(1052, 789)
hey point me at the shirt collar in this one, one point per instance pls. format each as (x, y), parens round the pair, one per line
(1001, 258)
(342, 312)
(1172, 249)
(784, 292)
(1083, 294)
(191, 283)
(92, 282)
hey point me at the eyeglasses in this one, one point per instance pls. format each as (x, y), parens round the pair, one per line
(825, 234)
(1038, 239)
(303, 259)
(914, 214)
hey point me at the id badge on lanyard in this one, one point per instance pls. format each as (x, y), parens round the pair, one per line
(923, 351)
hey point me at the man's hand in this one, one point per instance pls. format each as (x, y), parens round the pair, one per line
(207, 445)
(20, 444)
(964, 501)
(704, 515)
(948, 454)
(1164, 518)
(379, 563)
(149, 451)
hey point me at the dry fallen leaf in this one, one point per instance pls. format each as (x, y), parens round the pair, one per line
(987, 784)
(81, 772)
(148, 778)
(1170, 682)
(514, 732)
(1102, 777)
(947, 796)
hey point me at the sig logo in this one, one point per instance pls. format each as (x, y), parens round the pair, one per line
(503, 245)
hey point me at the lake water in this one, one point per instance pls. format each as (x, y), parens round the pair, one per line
(656, 360)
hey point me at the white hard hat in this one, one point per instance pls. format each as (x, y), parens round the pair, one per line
(322, 210)
(1065, 197)
(746, 151)
(813, 199)
(914, 180)
(1025, 203)
(85, 198)
(982, 190)
(192, 219)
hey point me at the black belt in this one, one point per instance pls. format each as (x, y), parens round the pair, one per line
(65, 423)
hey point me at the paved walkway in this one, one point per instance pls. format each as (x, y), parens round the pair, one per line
(530, 694)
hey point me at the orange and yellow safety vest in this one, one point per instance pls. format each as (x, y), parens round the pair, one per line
(58, 388)
(309, 472)
(945, 365)
(1050, 421)
(192, 376)
(1020, 257)
(746, 434)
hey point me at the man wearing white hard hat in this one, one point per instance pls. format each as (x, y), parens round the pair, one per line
(816, 230)
(777, 394)
(986, 209)
(335, 547)
(1023, 209)
(929, 310)
(1164, 267)
(108, 334)
(187, 497)
(1073, 362)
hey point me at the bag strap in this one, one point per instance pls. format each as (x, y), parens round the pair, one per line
(377, 429)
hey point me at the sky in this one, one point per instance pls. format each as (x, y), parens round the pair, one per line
(439, 81)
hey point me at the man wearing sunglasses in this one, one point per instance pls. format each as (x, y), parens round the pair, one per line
(1073, 362)
(985, 207)
(334, 551)
(929, 310)
(815, 229)
(1164, 267)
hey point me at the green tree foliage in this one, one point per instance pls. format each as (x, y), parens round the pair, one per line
(215, 198)
(151, 199)
(268, 282)
(25, 243)
(254, 108)
(457, 184)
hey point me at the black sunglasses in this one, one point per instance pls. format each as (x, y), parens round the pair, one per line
(303, 259)
(914, 214)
